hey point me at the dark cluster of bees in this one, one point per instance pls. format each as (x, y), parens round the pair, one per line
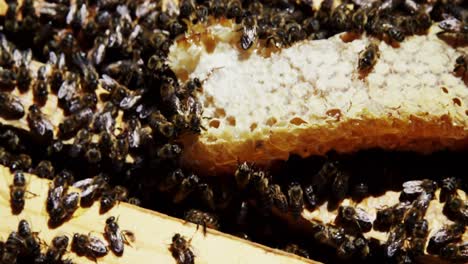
(105, 61)
(25, 246)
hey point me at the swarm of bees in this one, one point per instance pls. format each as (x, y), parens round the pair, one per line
(106, 63)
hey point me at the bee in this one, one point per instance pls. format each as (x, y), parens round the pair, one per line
(340, 17)
(81, 141)
(89, 246)
(110, 197)
(296, 199)
(77, 15)
(186, 187)
(263, 191)
(456, 208)
(294, 32)
(295, 249)
(362, 246)
(445, 235)
(460, 68)
(54, 12)
(64, 209)
(12, 140)
(279, 199)
(340, 186)
(186, 8)
(5, 157)
(13, 246)
(368, 57)
(249, 32)
(421, 229)
(180, 249)
(173, 179)
(359, 19)
(117, 237)
(416, 187)
(201, 13)
(57, 72)
(11, 23)
(7, 79)
(55, 194)
(135, 201)
(311, 196)
(360, 191)
(346, 249)
(234, 9)
(91, 188)
(169, 151)
(23, 75)
(453, 28)
(202, 218)
(217, 8)
(396, 238)
(449, 187)
(355, 219)
(40, 89)
(93, 154)
(17, 192)
(68, 88)
(207, 195)
(335, 235)
(394, 32)
(56, 251)
(243, 174)
(75, 122)
(456, 252)
(22, 162)
(10, 106)
(39, 124)
(31, 241)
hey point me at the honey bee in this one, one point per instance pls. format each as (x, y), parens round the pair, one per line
(389, 216)
(17, 192)
(23, 74)
(39, 124)
(13, 247)
(7, 79)
(340, 186)
(456, 208)
(207, 195)
(202, 218)
(296, 199)
(445, 235)
(249, 32)
(461, 68)
(234, 9)
(295, 249)
(455, 252)
(346, 249)
(311, 196)
(91, 188)
(394, 32)
(10, 106)
(22, 162)
(201, 12)
(40, 89)
(11, 23)
(173, 179)
(180, 249)
(396, 238)
(453, 28)
(169, 151)
(412, 189)
(31, 241)
(186, 8)
(243, 174)
(81, 141)
(56, 251)
(360, 191)
(187, 186)
(355, 219)
(279, 199)
(89, 246)
(110, 197)
(93, 154)
(368, 57)
(117, 237)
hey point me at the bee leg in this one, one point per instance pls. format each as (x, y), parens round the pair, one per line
(31, 193)
(204, 228)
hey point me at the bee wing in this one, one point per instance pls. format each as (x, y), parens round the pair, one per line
(128, 236)
(440, 236)
(362, 215)
(83, 183)
(89, 191)
(97, 246)
(66, 90)
(17, 57)
(413, 186)
(83, 13)
(71, 13)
